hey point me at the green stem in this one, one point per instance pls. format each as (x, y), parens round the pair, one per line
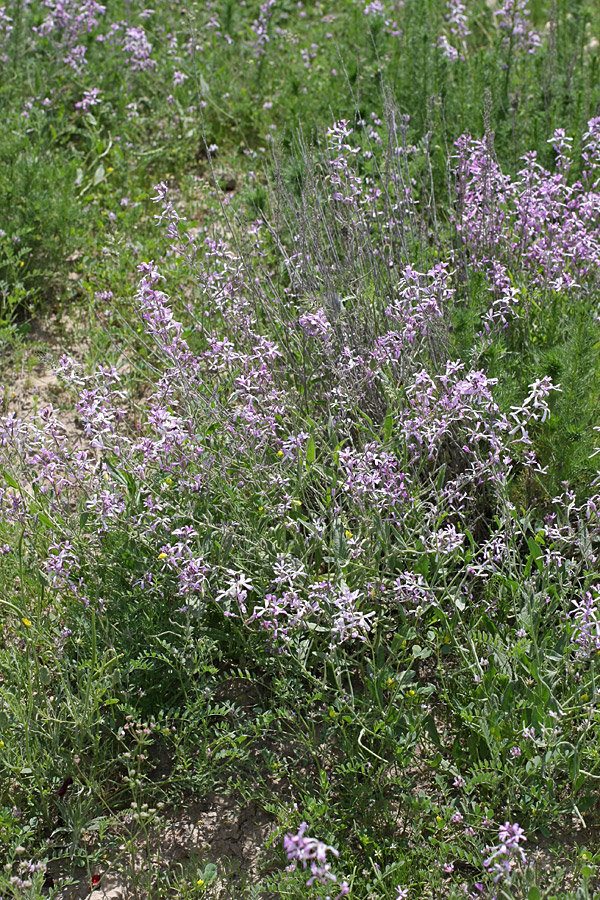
(91, 674)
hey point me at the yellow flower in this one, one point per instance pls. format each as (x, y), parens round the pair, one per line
(162, 555)
(200, 882)
(280, 453)
(584, 697)
(349, 535)
(261, 509)
(1, 743)
(26, 623)
(390, 682)
(168, 481)
(412, 693)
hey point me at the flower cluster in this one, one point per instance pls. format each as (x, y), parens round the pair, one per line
(507, 853)
(539, 223)
(513, 22)
(585, 616)
(312, 854)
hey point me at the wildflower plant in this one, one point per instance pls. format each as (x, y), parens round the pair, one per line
(308, 539)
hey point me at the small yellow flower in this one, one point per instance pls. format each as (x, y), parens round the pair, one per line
(1, 743)
(439, 820)
(110, 169)
(162, 555)
(390, 682)
(412, 693)
(168, 481)
(349, 535)
(21, 263)
(332, 713)
(261, 509)
(200, 882)
(26, 623)
(280, 453)
(584, 697)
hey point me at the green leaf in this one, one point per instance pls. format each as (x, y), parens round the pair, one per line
(421, 567)
(210, 873)
(534, 893)
(10, 481)
(432, 731)
(535, 555)
(459, 603)
(98, 175)
(310, 450)
(45, 520)
(339, 544)
(388, 425)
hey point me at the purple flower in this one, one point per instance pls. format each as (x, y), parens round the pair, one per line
(585, 616)
(446, 48)
(312, 854)
(457, 18)
(374, 8)
(508, 852)
(137, 49)
(90, 98)
(260, 27)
